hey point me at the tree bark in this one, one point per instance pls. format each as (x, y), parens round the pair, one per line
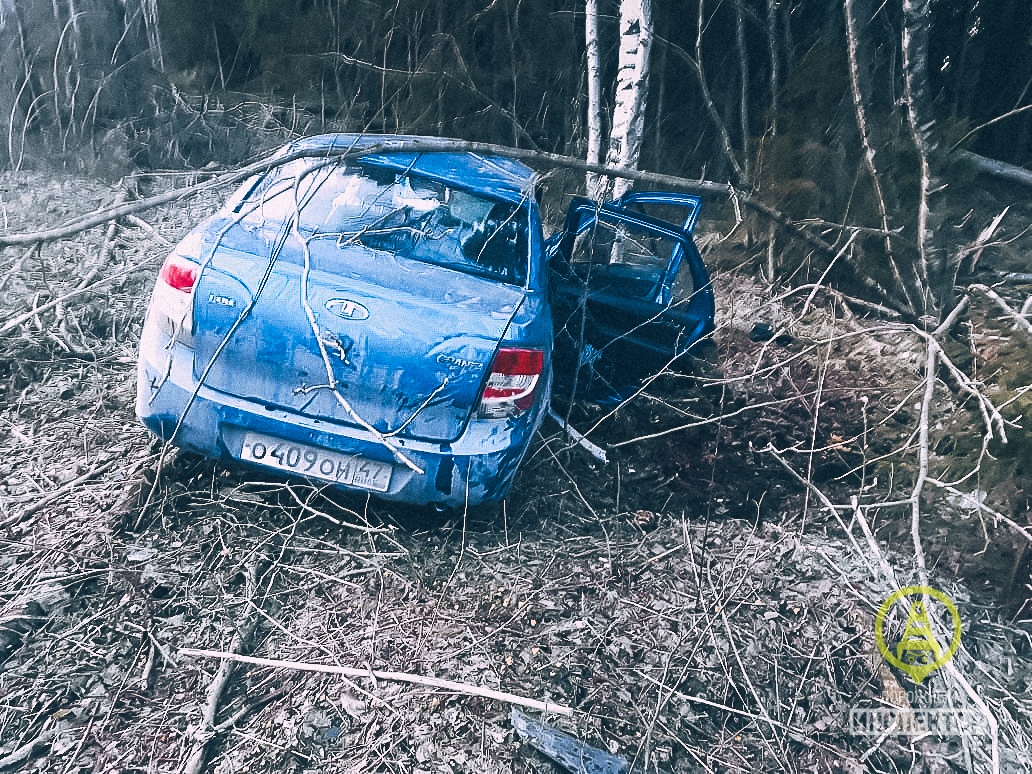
(852, 44)
(933, 270)
(594, 65)
(631, 88)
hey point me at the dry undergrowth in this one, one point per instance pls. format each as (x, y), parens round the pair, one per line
(697, 606)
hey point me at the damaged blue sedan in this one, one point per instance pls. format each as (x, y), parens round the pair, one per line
(390, 321)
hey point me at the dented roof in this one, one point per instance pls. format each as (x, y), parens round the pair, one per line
(496, 176)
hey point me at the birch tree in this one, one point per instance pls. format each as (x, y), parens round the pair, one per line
(594, 64)
(631, 88)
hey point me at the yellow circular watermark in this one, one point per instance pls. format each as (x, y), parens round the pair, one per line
(918, 653)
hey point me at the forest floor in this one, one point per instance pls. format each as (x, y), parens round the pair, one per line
(693, 600)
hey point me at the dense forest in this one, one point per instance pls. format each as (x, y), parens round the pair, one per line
(858, 113)
(684, 581)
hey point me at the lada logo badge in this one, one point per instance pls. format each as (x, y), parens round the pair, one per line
(347, 309)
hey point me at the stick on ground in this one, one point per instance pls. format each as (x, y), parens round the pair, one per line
(397, 677)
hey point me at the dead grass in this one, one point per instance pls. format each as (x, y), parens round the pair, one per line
(699, 609)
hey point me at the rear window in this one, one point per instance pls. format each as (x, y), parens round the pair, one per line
(403, 214)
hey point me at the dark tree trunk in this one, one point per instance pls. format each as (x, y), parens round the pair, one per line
(933, 266)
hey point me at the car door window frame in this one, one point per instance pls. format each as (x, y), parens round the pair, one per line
(690, 202)
(580, 218)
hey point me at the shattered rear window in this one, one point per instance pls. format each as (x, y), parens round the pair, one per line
(404, 214)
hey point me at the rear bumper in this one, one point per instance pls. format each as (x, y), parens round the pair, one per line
(478, 467)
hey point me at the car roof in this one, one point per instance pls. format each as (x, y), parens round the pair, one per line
(495, 176)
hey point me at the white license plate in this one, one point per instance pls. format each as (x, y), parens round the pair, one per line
(314, 462)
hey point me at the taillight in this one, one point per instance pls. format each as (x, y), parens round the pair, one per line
(172, 302)
(510, 387)
(179, 273)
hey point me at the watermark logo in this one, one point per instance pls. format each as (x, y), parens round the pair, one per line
(917, 653)
(939, 721)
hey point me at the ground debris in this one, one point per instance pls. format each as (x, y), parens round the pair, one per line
(566, 750)
(692, 603)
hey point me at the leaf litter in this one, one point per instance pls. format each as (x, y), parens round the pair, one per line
(692, 602)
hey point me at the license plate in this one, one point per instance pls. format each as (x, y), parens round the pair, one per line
(314, 462)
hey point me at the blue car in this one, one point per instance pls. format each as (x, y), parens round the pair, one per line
(391, 322)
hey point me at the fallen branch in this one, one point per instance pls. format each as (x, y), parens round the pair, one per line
(141, 223)
(59, 492)
(208, 729)
(105, 249)
(16, 266)
(23, 753)
(976, 248)
(397, 677)
(975, 503)
(827, 504)
(14, 322)
(951, 319)
(998, 169)
(331, 380)
(414, 145)
(595, 451)
(919, 555)
(1019, 320)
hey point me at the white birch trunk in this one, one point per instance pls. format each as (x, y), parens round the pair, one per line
(594, 63)
(631, 88)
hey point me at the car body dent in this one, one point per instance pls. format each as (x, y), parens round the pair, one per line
(480, 463)
(408, 344)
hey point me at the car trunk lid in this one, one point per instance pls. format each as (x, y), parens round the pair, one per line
(408, 342)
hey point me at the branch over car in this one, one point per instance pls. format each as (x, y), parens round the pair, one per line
(387, 322)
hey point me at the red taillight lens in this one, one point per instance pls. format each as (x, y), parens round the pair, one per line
(179, 274)
(171, 305)
(510, 387)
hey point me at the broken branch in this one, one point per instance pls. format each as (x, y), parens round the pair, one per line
(420, 145)
(993, 296)
(595, 451)
(397, 677)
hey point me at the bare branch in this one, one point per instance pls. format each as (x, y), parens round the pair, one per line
(865, 139)
(421, 145)
(397, 677)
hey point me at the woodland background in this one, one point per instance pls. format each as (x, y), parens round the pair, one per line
(705, 600)
(764, 94)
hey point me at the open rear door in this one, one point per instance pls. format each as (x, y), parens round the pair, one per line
(667, 206)
(630, 296)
